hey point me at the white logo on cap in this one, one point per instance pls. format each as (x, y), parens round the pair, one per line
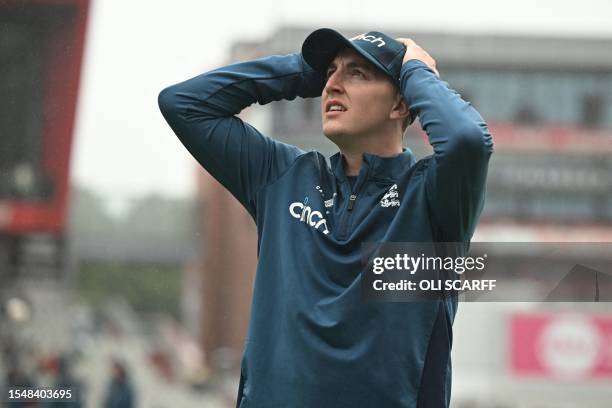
(369, 38)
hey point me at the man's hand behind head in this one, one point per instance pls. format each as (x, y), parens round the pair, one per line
(414, 51)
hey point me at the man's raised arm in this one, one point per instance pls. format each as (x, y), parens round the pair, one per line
(462, 147)
(202, 110)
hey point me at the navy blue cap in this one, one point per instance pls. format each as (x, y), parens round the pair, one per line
(384, 52)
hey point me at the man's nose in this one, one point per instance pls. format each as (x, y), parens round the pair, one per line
(334, 83)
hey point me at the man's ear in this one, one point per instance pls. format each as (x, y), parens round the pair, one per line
(400, 109)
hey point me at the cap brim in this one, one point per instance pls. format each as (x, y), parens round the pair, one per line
(322, 45)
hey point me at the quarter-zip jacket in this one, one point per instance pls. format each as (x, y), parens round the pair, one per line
(312, 340)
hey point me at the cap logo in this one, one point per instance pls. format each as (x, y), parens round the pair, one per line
(369, 38)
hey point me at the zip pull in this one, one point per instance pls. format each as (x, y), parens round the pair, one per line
(351, 203)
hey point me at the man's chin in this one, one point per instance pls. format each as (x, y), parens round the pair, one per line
(340, 137)
(335, 132)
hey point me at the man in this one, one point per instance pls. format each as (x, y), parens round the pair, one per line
(313, 341)
(120, 391)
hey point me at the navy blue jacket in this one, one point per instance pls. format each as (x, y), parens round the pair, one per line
(312, 340)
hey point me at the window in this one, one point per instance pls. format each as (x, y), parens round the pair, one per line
(526, 114)
(592, 111)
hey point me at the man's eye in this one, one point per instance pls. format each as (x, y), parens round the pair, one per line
(358, 73)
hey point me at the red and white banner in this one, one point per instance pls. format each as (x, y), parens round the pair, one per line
(561, 345)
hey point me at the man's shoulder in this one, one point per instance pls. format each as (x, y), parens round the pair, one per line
(423, 163)
(310, 157)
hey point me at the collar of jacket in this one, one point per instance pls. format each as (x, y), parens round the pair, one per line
(377, 167)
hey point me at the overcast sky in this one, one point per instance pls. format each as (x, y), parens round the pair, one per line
(123, 147)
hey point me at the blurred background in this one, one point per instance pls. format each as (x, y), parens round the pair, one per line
(126, 271)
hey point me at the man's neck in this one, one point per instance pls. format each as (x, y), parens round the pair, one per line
(353, 158)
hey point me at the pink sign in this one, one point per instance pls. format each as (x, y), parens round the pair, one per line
(569, 346)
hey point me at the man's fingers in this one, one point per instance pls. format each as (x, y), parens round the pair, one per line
(414, 50)
(404, 40)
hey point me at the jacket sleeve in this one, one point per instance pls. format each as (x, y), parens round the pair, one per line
(202, 112)
(456, 175)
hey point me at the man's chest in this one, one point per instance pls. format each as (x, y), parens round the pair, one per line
(321, 206)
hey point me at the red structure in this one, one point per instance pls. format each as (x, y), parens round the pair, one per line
(41, 49)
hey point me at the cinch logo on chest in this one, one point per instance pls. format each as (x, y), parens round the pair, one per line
(305, 214)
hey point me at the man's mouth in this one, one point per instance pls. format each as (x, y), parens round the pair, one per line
(334, 106)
